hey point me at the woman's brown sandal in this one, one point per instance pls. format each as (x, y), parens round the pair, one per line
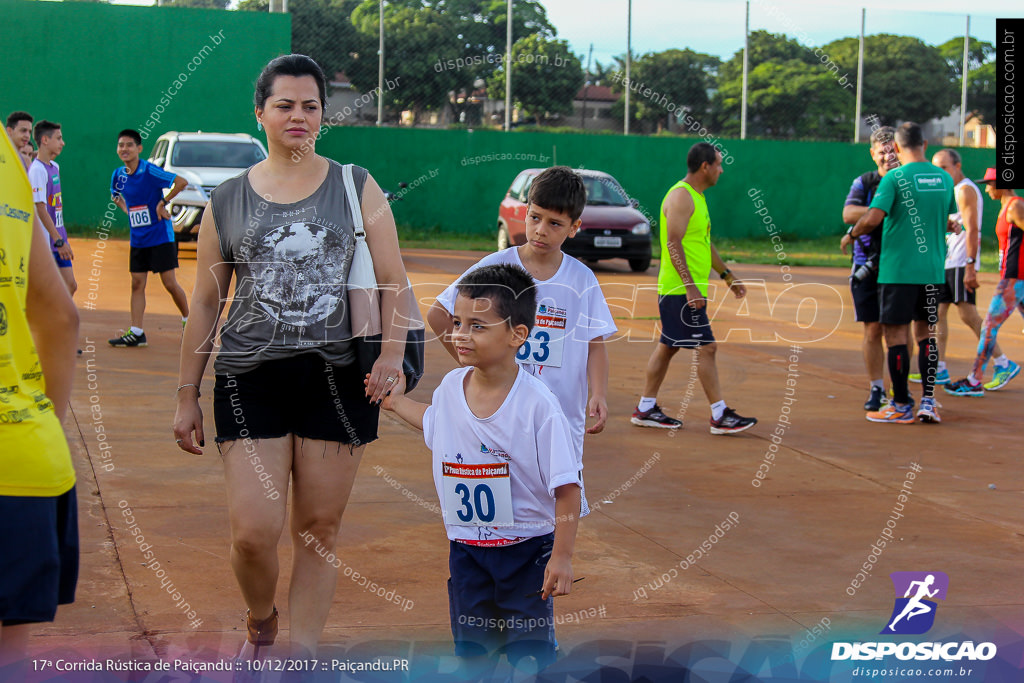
(261, 633)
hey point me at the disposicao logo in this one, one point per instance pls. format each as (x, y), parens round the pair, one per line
(913, 613)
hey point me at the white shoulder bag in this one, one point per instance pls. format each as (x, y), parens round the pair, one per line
(363, 295)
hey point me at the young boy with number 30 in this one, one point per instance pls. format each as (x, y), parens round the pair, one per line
(565, 348)
(505, 472)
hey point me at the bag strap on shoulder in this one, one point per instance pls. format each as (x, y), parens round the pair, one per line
(353, 202)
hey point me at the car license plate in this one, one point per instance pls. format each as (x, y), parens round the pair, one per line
(607, 241)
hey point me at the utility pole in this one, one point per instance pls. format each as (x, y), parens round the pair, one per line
(380, 68)
(629, 60)
(586, 89)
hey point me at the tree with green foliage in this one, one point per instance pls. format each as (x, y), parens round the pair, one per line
(981, 92)
(546, 76)
(479, 32)
(981, 74)
(978, 53)
(322, 30)
(207, 4)
(905, 79)
(791, 93)
(680, 78)
(416, 41)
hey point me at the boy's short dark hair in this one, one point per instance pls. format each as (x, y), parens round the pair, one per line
(130, 133)
(510, 289)
(17, 117)
(560, 189)
(44, 129)
(910, 135)
(700, 154)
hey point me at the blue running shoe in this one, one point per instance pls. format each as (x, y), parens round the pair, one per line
(927, 412)
(1002, 377)
(941, 377)
(963, 387)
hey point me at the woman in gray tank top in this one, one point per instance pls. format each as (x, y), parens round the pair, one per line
(289, 399)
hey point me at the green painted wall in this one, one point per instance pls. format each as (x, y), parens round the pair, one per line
(97, 68)
(804, 184)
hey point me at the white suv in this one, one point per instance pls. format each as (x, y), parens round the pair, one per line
(205, 160)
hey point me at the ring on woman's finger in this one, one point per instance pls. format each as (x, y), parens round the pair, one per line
(390, 379)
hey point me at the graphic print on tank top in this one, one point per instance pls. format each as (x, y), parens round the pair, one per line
(298, 269)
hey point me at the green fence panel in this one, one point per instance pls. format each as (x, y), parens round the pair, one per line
(459, 177)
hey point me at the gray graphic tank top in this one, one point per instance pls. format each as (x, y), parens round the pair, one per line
(291, 263)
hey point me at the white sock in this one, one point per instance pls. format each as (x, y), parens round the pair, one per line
(878, 383)
(973, 380)
(942, 366)
(717, 409)
(646, 403)
(184, 320)
(137, 331)
(1002, 361)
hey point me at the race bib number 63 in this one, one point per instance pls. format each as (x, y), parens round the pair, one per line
(477, 495)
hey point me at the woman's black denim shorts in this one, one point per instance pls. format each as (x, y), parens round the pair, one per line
(303, 395)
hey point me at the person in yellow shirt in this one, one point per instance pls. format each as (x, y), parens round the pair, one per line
(38, 334)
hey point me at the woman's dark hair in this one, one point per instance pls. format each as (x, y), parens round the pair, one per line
(289, 65)
(510, 289)
(560, 189)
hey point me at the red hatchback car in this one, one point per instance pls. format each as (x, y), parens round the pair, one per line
(612, 227)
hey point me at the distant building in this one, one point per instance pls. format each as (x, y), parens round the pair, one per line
(592, 108)
(346, 106)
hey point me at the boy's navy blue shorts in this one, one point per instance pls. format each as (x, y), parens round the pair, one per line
(487, 599)
(39, 558)
(681, 325)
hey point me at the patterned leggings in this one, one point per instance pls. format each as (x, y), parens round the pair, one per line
(1009, 295)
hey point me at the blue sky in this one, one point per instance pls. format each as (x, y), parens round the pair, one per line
(716, 26)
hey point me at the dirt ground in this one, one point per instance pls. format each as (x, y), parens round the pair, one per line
(773, 587)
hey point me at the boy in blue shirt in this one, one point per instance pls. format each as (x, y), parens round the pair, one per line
(138, 189)
(505, 473)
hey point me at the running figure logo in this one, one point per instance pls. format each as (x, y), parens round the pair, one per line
(914, 612)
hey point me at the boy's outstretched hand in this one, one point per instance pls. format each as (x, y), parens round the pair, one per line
(397, 391)
(557, 577)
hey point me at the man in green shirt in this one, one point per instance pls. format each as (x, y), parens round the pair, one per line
(687, 258)
(915, 201)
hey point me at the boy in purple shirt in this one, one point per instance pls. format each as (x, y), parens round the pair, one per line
(44, 174)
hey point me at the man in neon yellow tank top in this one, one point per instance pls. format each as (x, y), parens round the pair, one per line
(38, 334)
(687, 258)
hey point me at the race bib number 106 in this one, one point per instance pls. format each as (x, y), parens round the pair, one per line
(477, 495)
(138, 216)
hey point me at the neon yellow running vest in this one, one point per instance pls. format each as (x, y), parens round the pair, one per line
(696, 247)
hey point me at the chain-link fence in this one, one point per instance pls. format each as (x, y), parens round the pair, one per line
(802, 76)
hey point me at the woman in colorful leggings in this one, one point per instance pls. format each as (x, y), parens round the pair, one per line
(1009, 293)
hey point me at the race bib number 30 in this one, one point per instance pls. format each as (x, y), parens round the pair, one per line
(138, 216)
(544, 345)
(477, 495)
